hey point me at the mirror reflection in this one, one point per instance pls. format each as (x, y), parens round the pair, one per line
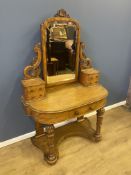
(61, 51)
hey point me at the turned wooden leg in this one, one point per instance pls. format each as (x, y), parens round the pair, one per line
(39, 140)
(80, 119)
(52, 155)
(39, 129)
(100, 113)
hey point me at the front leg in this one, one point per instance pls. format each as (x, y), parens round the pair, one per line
(39, 129)
(52, 155)
(100, 113)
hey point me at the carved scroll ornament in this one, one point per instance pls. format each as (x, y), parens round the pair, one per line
(84, 61)
(33, 70)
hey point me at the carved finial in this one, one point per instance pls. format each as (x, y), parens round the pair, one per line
(62, 13)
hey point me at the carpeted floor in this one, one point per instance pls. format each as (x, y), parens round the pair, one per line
(78, 156)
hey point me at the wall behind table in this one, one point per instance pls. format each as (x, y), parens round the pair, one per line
(105, 27)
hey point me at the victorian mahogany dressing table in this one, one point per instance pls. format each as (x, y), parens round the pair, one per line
(68, 88)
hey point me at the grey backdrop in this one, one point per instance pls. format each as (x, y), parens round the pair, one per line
(105, 28)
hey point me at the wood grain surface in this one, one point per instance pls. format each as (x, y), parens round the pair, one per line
(78, 156)
(69, 96)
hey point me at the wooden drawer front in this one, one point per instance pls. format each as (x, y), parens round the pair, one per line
(78, 112)
(89, 77)
(33, 89)
(86, 109)
(52, 118)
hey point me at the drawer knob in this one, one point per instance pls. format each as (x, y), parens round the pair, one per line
(90, 107)
(76, 113)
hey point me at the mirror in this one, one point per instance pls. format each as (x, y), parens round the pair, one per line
(60, 49)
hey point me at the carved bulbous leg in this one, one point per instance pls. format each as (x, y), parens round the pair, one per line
(39, 129)
(39, 140)
(100, 113)
(52, 155)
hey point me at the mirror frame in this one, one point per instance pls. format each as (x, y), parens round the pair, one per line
(44, 26)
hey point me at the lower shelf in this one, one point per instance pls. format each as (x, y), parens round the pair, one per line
(78, 128)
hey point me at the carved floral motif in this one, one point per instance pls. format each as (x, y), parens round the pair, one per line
(62, 13)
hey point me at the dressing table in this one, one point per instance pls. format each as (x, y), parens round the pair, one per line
(60, 85)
